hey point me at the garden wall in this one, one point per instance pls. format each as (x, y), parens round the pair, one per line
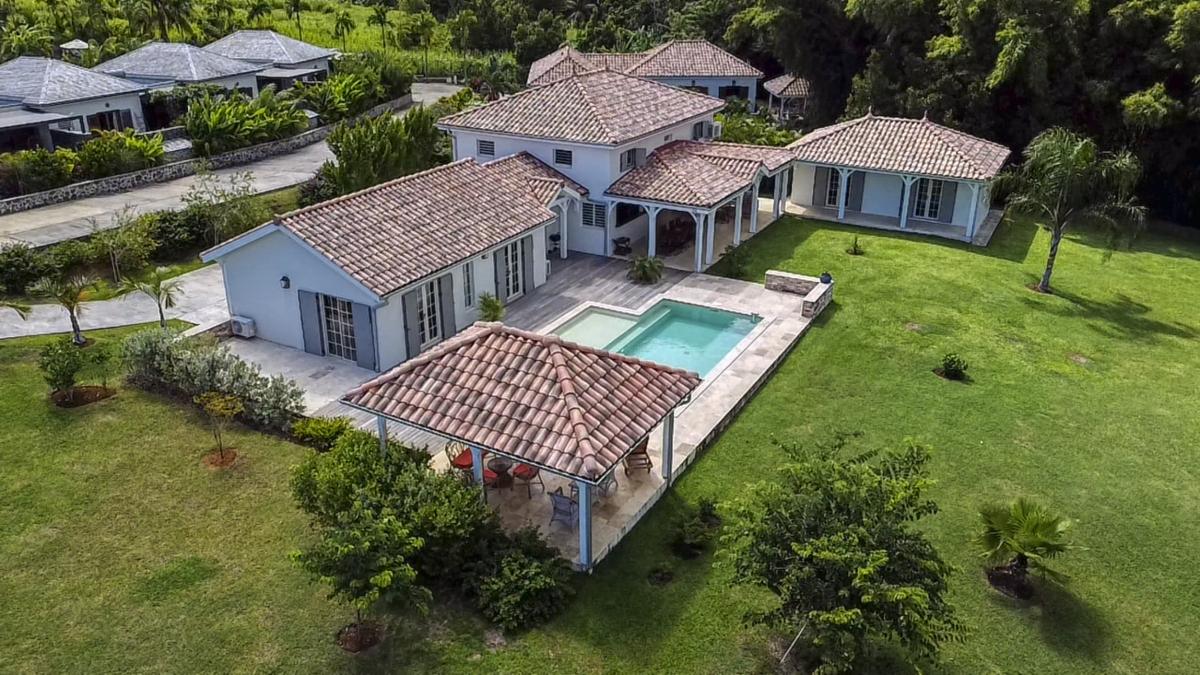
(817, 295)
(173, 170)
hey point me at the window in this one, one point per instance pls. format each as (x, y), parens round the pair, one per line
(628, 159)
(929, 199)
(429, 329)
(667, 138)
(487, 148)
(514, 265)
(833, 187)
(594, 214)
(339, 327)
(468, 272)
(562, 157)
(697, 131)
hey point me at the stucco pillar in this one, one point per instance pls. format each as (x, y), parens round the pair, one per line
(711, 220)
(737, 219)
(775, 195)
(699, 218)
(843, 178)
(477, 469)
(381, 431)
(668, 446)
(585, 525)
(906, 191)
(610, 215)
(562, 229)
(973, 218)
(652, 229)
(754, 206)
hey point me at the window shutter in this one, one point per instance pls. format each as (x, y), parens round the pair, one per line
(527, 271)
(501, 270)
(562, 157)
(820, 185)
(446, 305)
(854, 191)
(639, 157)
(487, 148)
(946, 208)
(364, 335)
(412, 335)
(310, 323)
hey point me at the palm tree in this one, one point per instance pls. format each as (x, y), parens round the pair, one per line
(294, 8)
(69, 292)
(163, 289)
(379, 17)
(172, 13)
(1067, 181)
(343, 25)
(22, 310)
(258, 10)
(1017, 537)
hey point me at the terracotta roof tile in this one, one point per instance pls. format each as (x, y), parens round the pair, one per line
(569, 408)
(692, 173)
(676, 58)
(601, 107)
(902, 145)
(538, 174)
(788, 86)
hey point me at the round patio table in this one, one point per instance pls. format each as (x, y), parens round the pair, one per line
(501, 466)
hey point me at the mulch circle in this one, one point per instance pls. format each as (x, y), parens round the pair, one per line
(214, 460)
(80, 396)
(357, 637)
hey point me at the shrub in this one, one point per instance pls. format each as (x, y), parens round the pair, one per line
(100, 362)
(318, 188)
(385, 76)
(69, 256)
(155, 359)
(1018, 537)
(221, 124)
(530, 584)
(696, 530)
(645, 270)
(20, 266)
(60, 362)
(221, 409)
(855, 248)
(177, 233)
(490, 308)
(116, 152)
(35, 170)
(341, 96)
(372, 150)
(320, 432)
(953, 367)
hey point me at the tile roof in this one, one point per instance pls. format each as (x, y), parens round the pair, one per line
(266, 46)
(544, 180)
(35, 80)
(788, 86)
(691, 173)
(174, 61)
(902, 145)
(572, 409)
(676, 58)
(603, 107)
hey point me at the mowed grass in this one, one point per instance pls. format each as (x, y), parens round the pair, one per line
(119, 551)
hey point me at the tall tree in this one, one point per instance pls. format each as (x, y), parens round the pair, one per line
(295, 8)
(343, 25)
(379, 17)
(168, 13)
(69, 293)
(258, 11)
(1066, 181)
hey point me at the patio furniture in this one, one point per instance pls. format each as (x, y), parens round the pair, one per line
(639, 459)
(675, 236)
(499, 467)
(460, 460)
(606, 488)
(621, 246)
(528, 474)
(566, 509)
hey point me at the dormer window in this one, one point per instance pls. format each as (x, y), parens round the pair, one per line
(563, 157)
(628, 159)
(485, 148)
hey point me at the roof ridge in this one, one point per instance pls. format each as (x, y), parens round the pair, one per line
(374, 188)
(520, 332)
(936, 130)
(613, 137)
(575, 416)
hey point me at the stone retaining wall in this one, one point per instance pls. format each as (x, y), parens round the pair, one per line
(174, 170)
(817, 295)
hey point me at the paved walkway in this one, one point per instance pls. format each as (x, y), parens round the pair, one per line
(69, 220)
(201, 302)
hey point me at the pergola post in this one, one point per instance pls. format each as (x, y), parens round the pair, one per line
(699, 218)
(652, 230)
(754, 206)
(562, 229)
(610, 214)
(843, 177)
(737, 219)
(973, 220)
(907, 195)
(668, 445)
(711, 220)
(477, 469)
(585, 525)
(381, 431)
(775, 196)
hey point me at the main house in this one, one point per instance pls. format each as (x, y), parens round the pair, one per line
(697, 65)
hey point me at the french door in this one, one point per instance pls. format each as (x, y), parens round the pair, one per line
(514, 266)
(338, 317)
(929, 199)
(429, 324)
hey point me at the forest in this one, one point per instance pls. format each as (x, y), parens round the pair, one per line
(1125, 73)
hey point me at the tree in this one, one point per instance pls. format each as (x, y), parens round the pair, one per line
(127, 241)
(220, 409)
(70, 293)
(534, 39)
(377, 149)
(23, 39)
(835, 541)
(1018, 536)
(169, 13)
(163, 289)
(460, 26)
(1066, 181)
(228, 206)
(422, 26)
(343, 25)
(294, 9)
(60, 363)
(258, 10)
(379, 17)
(20, 308)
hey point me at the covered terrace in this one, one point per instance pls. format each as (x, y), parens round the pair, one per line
(544, 411)
(697, 180)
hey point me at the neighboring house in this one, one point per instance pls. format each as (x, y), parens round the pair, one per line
(697, 65)
(286, 60)
(897, 173)
(619, 137)
(48, 102)
(793, 93)
(167, 64)
(382, 275)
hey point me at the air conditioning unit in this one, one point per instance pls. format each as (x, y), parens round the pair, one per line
(716, 130)
(241, 326)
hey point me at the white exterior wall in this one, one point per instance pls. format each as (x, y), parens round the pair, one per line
(985, 203)
(131, 102)
(252, 286)
(322, 63)
(802, 184)
(882, 194)
(714, 84)
(249, 80)
(389, 333)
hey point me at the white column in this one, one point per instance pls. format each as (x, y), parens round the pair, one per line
(754, 207)
(737, 219)
(843, 178)
(904, 200)
(381, 431)
(668, 446)
(699, 218)
(711, 224)
(652, 230)
(610, 213)
(562, 230)
(585, 525)
(477, 468)
(973, 221)
(775, 196)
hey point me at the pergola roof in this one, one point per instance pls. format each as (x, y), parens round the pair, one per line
(571, 409)
(691, 173)
(788, 86)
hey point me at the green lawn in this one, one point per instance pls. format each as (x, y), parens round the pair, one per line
(124, 553)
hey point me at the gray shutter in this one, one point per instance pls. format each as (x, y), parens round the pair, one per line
(820, 185)
(310, 322)
(364, 335)
(446, 300)
(949, 194)
(412, 338)
(501, 271)
(913, 191)
(527, 273)
(126, 119)
(854, 191)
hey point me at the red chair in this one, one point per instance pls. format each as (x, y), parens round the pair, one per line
(528, 474)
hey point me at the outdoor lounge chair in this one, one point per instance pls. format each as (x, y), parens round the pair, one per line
(639, 458)
(566, 509)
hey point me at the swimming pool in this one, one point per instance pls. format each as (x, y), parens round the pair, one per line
(673, 333)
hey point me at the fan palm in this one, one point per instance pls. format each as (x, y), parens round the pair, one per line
(1067, 181)
(1022, 535)
(70, 293)
(343, 25)
(22, 310)
(163, 289)
(169, 13)
(258, 10)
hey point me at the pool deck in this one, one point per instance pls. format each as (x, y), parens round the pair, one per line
(583, 281)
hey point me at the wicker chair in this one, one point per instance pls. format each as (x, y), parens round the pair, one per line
(639, 459)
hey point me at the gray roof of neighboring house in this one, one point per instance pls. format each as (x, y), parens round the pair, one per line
(267, 46)
(175, 61)
(36, 80)
(12, 118)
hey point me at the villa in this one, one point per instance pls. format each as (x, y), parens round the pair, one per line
(285, 60)
(163, 65)
(696, 65)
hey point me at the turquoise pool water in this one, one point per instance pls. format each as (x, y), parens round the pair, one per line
(672, 333)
